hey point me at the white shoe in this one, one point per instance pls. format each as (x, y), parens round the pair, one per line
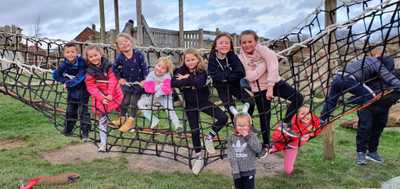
(102, 148)
(198, 165)
(208, 142)
(154, 122)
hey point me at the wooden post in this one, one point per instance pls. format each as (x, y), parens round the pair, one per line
(139, 31)
(200, 42)
(93, 38)
(181, 44)
(116, 16)
(102, 22)
(329, 150)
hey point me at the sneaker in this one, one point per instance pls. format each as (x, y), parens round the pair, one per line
(208, 142)
(286, 130)
(198, 165)
(374, 156)
(85, 139)
(102, 148)
(179, 129)
(154, 123)
(361, 158)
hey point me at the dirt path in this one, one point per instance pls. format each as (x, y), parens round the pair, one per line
(8, 144)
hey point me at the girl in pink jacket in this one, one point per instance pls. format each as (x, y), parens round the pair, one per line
(157, 86)
(103, 87)
(262, 72)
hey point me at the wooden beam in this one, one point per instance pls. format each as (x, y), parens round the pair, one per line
(102, 22)
(116, 16)
(181, 29)
(147, 30)
(330, 18)
(139, 31)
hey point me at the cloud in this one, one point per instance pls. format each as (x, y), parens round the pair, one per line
(65, 19)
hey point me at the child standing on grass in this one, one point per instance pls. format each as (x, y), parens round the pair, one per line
(243, 149)
(72, 74)
(130, 68)
(304, 126)
(158, 88)
(103, 88)
(191, 79)
(226, 71)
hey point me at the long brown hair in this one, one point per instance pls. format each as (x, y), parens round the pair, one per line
(214, 45)
(196, 53)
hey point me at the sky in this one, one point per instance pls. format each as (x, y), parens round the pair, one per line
(66, 19)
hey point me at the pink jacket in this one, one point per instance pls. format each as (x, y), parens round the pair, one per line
(99, 88)
(261, 66)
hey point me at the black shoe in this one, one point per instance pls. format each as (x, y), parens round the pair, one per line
(361, 159)
(374, 156)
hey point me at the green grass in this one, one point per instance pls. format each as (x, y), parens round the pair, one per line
(18, 121)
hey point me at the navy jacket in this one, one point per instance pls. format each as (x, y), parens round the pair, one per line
(371, 68)
(134, 69)
(194, 88)
(377, 84)
(230, 70)
(73, 76)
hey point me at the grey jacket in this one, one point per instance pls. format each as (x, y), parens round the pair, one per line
(242, 154)
(371, 68)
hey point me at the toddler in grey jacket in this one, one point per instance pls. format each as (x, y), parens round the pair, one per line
(243, 149)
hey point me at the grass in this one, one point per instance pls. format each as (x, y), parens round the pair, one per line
(18, 121)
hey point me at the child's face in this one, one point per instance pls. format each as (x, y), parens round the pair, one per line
(191, 61)
(304, 115)
(248, 43)
(94, 57)
(223, 45)
(124, 44)
(160, 69)
(70, 53)
(243, 125)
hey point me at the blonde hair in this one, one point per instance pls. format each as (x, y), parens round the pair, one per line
(126, 36)
(196, 53)
(93, 47)
(167, 62)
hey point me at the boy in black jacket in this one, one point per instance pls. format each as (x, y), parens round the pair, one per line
(72, 74)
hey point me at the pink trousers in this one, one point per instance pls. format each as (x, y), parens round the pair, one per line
(289, 159)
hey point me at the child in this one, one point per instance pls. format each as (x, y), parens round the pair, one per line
(304, 126)
(262, 71)
(191, 79)
(226, 71)
(243, 149)
(130, 68)
(104, 89)
(72, 74)
(158, 83)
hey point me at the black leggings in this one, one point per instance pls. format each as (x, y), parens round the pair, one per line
(247, 182)
(129, 102)
(226, 92)
(193, 116)
(285, 91)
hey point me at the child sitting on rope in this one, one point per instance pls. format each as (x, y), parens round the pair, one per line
(158, 88)
(72, 74)
(103, 88)
(243, 149)
(191, 79)
(226, 71)
(353, 78)
(304, 126)
(131, 69)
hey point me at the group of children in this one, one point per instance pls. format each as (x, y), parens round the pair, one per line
(128, 86)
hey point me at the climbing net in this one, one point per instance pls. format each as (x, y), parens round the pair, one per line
(310, 55)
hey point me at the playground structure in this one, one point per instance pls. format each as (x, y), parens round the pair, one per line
(310, 55)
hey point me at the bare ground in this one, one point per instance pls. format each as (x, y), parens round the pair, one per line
(74, 154)
(8, 144)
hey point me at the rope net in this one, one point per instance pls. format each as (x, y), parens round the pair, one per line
(310, 57)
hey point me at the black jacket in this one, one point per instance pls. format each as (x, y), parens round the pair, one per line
(229, 71)
(194, 88)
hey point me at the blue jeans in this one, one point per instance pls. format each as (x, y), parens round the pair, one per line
(340, 85)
